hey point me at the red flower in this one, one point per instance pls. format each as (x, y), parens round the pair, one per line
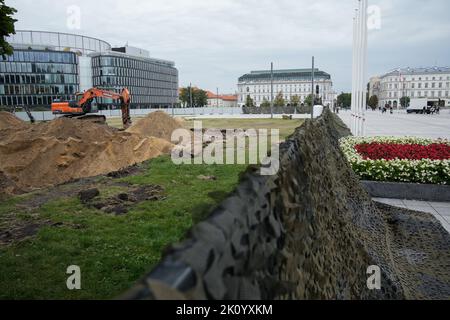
(391, 151)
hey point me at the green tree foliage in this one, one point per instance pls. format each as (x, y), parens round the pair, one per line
(373, 102)
(309, 100)
(404, 102)
(199, 97)
(249, 102)
(6, 28)
(344, 100)
(295, 101)
(184, 96)
(279, 100)
(265, 104)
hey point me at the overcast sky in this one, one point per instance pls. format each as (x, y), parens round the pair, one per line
(213, 42)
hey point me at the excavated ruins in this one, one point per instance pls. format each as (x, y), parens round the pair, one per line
(50, 153)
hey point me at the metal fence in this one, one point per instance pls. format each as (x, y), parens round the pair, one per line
(47, 115)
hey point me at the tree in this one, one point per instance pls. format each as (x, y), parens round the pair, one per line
(404, 102)
(184, 96)
(309, 100)
(295, 101)
(200, 98)
(344, 100)
(6, 28)
(265, 103)
(249, 102)
(279, 100)
(373, 102)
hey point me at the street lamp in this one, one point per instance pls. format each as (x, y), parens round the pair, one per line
(312, 89)
(271, 90)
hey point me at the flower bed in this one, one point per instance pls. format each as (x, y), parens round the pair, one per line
(412, 160)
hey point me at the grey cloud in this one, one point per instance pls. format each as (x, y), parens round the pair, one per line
(214, 42)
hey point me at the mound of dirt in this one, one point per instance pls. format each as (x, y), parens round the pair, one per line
(46, 154)
(10, 121)
(157, 124)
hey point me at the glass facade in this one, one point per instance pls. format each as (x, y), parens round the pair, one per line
(152, 82)
(36, 78)
(57, 41)
(46, 66)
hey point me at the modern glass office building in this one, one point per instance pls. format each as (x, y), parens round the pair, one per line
(46, 66)
(36, 78)
(152, 82)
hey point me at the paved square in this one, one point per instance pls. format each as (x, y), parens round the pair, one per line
(401, 124)
(440, 210)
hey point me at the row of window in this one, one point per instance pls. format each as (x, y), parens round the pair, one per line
(131, 81)
(426, 85)
(128, 63)
(39, 79)
(267, 98)
(418, 94)
(38, 89)
(32, 100)
(41, 56)
(440, 78)
(280, 89)
(16, 67)
(134, 73)
(304, 87)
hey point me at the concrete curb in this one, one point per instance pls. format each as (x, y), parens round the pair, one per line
(408, 191)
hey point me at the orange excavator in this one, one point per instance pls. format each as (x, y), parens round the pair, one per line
(83, 108)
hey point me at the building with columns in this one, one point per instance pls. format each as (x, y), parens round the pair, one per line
(416, 83)
(293, 82)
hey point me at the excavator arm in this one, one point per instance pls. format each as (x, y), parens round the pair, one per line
(124, 98)
(83, 105)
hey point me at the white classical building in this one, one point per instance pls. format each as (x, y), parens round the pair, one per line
(294, 82)
(415, 83)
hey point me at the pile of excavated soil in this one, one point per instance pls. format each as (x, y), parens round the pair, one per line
(157, 124)
(46, 154)
(10, 121)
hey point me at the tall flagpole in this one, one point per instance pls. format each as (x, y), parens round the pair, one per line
(353, 101)
(364, 67)
(359, 72)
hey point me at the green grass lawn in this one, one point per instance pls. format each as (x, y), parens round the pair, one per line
(113, 252)
(286, 127)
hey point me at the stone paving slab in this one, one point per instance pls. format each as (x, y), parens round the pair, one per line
(402, 124)
(440, 210)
